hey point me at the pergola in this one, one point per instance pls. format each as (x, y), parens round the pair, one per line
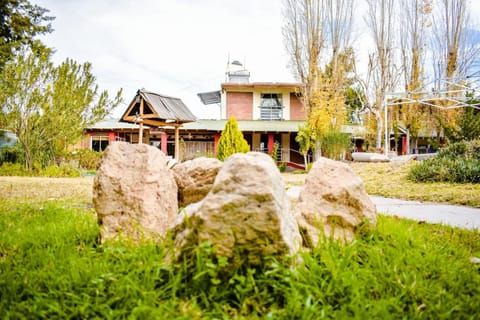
(156, 111)
(454, 95)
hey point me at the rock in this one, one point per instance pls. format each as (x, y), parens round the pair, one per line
(134, 193)
(333, 197)
(195, 179)
(246, 215)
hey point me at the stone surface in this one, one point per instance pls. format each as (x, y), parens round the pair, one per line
(195, 179)
(334, 199)
(134, 193)
(245, 216)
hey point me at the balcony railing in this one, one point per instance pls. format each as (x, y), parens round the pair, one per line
(271, 113)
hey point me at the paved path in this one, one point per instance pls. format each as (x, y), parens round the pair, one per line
(457, 216)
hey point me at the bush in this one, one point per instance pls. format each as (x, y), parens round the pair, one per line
(458, 163)
(13, 169)
(63, 170)
(86, 159)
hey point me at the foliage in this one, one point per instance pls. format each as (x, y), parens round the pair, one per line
(12, 154)
(48, 107)
(87, 159)
(67, 170)
(458, 163)
(464, 126)
(335, 143)
(21, 23)
(231, 141)
(52, 267)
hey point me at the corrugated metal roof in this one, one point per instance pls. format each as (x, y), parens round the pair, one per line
(163, 109)
(210, 97)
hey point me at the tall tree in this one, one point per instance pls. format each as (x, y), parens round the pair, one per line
(48, 107)
(383, 72)
(20, 23)
(413, 23)
(231, 140)
(304, 37)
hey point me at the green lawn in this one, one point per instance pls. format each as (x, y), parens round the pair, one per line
(52, 267)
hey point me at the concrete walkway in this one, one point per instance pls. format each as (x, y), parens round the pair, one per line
(456, 216)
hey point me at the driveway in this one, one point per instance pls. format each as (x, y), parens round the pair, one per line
(456, 216)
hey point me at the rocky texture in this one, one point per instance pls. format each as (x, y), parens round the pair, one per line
(245, 216)
(134, 192)
(195, 179)
(334, 199)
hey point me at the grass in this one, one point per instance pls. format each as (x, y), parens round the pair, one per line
(52, 267)
(390, 180)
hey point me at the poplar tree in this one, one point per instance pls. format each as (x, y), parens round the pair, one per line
(231, 141)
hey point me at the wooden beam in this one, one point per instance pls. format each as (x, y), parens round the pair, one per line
(140, 130)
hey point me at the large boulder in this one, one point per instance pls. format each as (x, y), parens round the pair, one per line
(134, 193)
(195, 179)
(246, 215)
(333, 202)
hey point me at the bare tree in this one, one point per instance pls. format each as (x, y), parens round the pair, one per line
(304, 38)
(454, 46)
(382, 74)
(413, 23)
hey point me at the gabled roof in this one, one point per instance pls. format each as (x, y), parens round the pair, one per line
(158, 110)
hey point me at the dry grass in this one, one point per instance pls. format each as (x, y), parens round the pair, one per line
(384, 179)
(28, 189)
(390, 180)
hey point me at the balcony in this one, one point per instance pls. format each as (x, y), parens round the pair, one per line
(271, 113)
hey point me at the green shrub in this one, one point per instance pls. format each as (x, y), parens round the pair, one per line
(87, 159)
(13, 169)
(458, 163)
(63, 170)
(231, 141)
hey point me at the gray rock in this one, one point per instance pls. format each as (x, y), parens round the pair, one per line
(332, 202)
(245, 216)
(134, 193)
(195, 179)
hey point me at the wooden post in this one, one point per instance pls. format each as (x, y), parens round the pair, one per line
(177, 142)
(140, 131)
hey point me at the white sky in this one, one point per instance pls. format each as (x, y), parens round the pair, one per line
(173, 47)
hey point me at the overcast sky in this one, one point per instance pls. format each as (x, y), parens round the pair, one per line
(173, 47)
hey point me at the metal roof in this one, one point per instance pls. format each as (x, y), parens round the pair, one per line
(210, 97)
(246, 125)
(158, 110)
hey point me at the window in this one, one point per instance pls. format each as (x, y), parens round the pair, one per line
(271, 107)
(99, 143)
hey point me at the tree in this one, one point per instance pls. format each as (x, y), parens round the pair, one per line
(306, 140)
(413, 23)
(383, 73)
(231, 141)
(20, 23)
(304, 38)
(48, 107)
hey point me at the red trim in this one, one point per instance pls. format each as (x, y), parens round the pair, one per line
(216, 138)
(270, 143)
(163, 147)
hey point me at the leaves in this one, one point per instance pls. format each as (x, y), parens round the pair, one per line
(231, 141)
(48, 107)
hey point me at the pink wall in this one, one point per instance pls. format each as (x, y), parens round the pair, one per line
(297, 111)
(240, 105)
